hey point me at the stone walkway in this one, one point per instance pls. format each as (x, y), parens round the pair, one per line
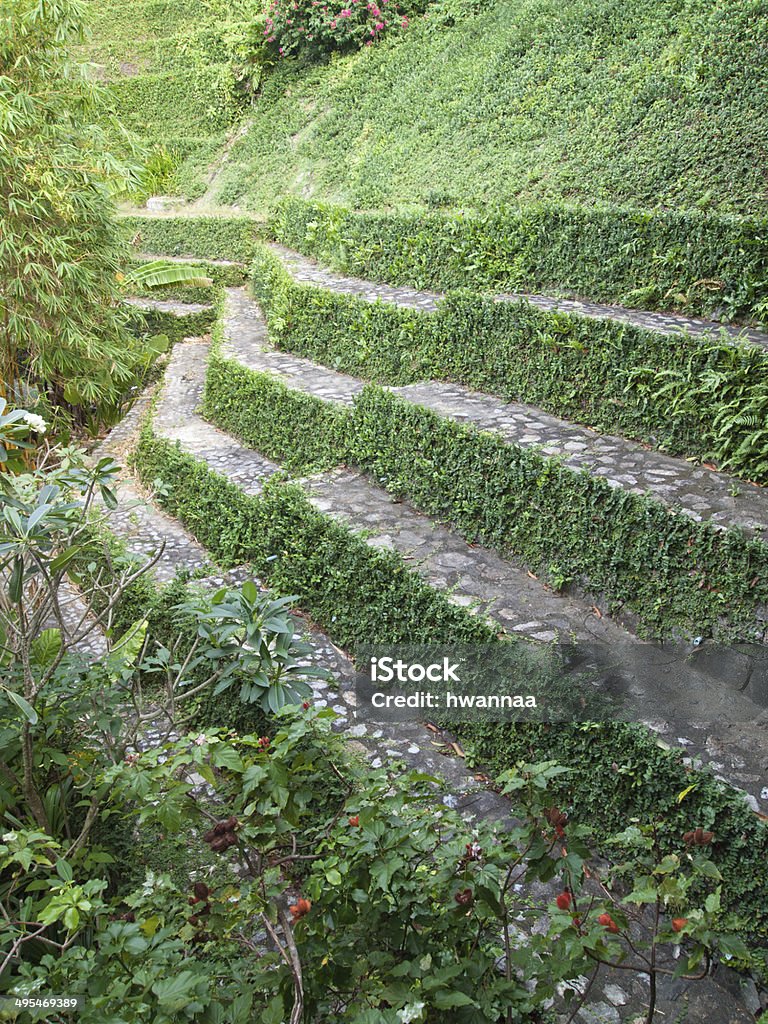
(308, 271)
(699, 492)
(723, 998)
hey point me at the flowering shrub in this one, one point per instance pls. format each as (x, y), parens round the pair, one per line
(319, 27)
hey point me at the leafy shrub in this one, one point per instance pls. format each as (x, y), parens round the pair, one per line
(319, 27)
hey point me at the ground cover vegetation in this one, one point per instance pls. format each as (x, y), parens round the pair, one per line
(397, 910)
(643, 104)
(185, 837)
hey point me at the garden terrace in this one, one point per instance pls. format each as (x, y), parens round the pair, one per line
(235, 502)
(145, 528)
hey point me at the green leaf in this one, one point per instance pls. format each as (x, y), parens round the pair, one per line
(174, 993)
(16, 583)
(23, 705)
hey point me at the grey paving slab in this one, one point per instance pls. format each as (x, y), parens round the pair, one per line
(308, 271)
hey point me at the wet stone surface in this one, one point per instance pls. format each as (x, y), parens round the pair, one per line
(308, 271)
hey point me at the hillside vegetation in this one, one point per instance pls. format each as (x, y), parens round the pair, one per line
(642, 102)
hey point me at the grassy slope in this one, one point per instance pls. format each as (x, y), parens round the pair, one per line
(169, 65)
(637, 101)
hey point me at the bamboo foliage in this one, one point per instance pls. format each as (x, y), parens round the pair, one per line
(62, 328)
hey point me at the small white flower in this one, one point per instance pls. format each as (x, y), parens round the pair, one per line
(411, 1012)
(35, 422)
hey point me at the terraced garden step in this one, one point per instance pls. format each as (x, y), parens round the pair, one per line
(307, 271)
(700, 493)
(613, 997)
(169, 306)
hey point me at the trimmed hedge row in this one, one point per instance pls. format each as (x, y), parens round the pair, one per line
(297, 430)
(689, 397)
(665, 259)
(206, 238)
(175, 325)
(673, 573)
(362, 595)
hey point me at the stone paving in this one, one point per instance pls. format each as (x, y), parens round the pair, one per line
(701, 493)
(168, 305)
(308, 271)
(723, 998)
(245, 339)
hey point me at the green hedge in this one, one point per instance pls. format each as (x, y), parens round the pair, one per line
(673, 573)
(362, 595)
(297, 430)
(676, 392)
(698, 262)
(175, 325)
(206, 238)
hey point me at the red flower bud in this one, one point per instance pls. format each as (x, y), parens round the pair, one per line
(607, 922)
(464, 898)
(564, 901)
(354, 820)
(678, 923)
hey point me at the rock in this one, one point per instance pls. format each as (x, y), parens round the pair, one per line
(158, 204)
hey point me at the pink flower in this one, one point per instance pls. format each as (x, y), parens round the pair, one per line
(282, 50)
(346, 13)
(333, 24)
(379, 26)
(404, 23)
(369, 43)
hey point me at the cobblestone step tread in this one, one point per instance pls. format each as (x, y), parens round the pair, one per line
(168, 305)
(703, 494)
(308, 271)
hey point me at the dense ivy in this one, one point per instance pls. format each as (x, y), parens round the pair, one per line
(361, 594)
(612, 376)
(207, 238)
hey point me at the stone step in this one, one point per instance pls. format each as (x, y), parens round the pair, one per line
(168, 305)
(701, 493)
(722, 724)
(176, 418)
(305, 270)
